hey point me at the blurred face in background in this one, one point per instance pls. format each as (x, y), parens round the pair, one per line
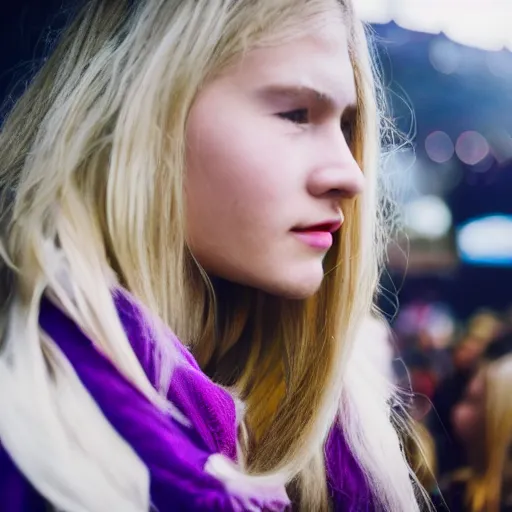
(467, 353)
(468, 417)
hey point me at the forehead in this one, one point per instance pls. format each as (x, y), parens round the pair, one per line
(317, 59)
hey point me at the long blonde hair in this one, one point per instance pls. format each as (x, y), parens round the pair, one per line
(92, 162)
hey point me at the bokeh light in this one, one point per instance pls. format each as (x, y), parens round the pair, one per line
(439, 147)
(499, 64)
(471, 147)
(486, 240)
(444, 56)
(428, 217)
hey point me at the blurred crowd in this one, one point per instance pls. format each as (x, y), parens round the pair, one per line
(456, 383)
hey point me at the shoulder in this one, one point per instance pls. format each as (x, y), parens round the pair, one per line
(191, 464)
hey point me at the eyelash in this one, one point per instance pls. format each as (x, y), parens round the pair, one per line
(348, 129)
(298, 116)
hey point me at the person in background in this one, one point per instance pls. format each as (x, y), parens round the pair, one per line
(482, 421)
(189, 217)
(484, 326)
(450, 454)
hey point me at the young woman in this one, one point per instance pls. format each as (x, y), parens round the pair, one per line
(483, 422)
(187, 254)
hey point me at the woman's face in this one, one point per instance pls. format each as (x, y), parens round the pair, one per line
(268, 162)
(468, 416)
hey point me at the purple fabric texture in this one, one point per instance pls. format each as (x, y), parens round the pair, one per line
(174, 454)
(347, 483)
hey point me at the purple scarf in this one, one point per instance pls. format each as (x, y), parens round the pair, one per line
(175, 455)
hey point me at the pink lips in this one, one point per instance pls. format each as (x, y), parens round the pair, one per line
(318, 236)
(317, 239)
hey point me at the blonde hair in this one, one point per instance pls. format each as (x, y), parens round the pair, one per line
(486, 484)
(92, 162)
(421, 453)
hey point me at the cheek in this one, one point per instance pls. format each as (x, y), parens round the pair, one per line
(236, 174)
(230, 192)
(230, 178)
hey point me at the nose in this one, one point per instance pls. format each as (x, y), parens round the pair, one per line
(338, 175)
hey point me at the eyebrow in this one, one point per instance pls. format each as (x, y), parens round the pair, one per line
(295, 91)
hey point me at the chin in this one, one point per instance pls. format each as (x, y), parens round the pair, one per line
(299, 286)
(291, 282)
(298, 294)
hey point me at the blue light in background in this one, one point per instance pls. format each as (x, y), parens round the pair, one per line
(486, 241)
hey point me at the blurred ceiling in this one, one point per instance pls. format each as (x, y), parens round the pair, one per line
(481, 23)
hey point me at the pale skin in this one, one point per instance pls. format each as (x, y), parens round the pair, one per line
(268, 153)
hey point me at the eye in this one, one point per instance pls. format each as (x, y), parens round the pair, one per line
(348, 125)
(348, 130)
(297, 116)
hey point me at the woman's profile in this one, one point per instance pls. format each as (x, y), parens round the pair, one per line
(190, 238)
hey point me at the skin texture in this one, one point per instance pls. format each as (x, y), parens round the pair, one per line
(268, 150)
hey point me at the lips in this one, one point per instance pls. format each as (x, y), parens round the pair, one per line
(327, 227)
(318, 236)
